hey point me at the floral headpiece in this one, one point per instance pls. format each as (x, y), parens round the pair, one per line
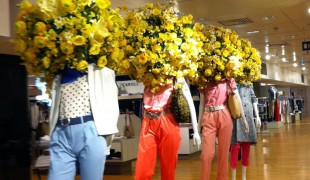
(160, 45)
(224, 56)
(54, 34)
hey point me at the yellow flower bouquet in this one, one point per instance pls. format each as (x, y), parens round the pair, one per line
(54, 34)
(225, 56)
(160, 45)
(251, 64)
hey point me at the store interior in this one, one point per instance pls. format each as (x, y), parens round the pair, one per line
(279, 29)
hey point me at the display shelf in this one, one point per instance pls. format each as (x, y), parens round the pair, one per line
(130, 97)
(187, 142)
(127, 147)
(275, 124)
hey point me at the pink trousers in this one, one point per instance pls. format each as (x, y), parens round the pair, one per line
(158, 136)
(245, 154)
(214, 124)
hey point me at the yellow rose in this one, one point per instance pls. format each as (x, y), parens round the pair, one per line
(103, 4)
(25, 6)
(156, 48)
(187, 19)
(40, 41)
(86, 30)
(52, 35)
(20, 46)
(78, 40)
(217, 45)
(95, 49)
(217, 77)
(226, 53)
(82, 65)
(66, 48)
(40, 28)
(208, 72)
(30, 55)
(46, 62)
(21, 15)
(115, 54)
(156, 12)
(102, 61)
(123, 43)
(67, 6)
(149, 5)
(141, 58)
(221, 67)
(126, 64)
(20, 27)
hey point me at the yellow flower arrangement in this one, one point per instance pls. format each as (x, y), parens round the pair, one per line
(226, 55)
(160, 45)
(251, 64)
(54, 34)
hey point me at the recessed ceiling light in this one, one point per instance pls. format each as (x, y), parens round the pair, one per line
(284, 59)
(268, 18)
(303, 68)
(309, 10)
(295, 64)
(252, 32)
(267, 57)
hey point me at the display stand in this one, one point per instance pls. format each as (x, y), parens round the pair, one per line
(274, 124)
(187, 147)
(124, 149)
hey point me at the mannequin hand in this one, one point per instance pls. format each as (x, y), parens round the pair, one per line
(197, 140)
(258, 122)
(245, 125)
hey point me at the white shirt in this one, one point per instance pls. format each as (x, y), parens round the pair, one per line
(74, 101)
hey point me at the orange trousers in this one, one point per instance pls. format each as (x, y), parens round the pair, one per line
(218, 123)
(158, 136)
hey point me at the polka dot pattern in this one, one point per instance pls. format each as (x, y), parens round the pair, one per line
(74, 100)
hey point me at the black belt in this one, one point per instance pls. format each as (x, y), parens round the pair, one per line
(76, 120)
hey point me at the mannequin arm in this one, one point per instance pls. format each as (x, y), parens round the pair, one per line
(189, 99)
(201, 109)
(258, 120)
(243, 120)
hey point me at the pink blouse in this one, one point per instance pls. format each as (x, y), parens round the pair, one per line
(158, 101)
(216, 93)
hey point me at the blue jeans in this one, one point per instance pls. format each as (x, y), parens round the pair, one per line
(77, 146)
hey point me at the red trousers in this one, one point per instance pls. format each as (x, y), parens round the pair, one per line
(245, 154)
(214, 124)
(160, 136)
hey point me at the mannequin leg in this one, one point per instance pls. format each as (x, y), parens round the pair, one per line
(208, 145)
(245, 146)
(147, 152)
(244, 172)
(169, 141)
(233, 173)
(224, 139)
(234, 151)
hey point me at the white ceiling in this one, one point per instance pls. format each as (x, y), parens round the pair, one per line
(290, 27)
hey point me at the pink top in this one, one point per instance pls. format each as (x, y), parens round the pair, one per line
(216, 93)
(158, 101)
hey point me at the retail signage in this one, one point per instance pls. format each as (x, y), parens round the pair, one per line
(306, 45)
(130, 87)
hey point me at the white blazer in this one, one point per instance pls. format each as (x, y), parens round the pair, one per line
(103, 100)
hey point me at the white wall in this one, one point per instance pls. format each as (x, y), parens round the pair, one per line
(5, 18)
(278, 73)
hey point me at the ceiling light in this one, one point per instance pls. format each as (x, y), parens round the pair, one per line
(303, 68)
(267, 49)
(267, 57)
(294, 56)
(295, 64)
(309, 10)
(252, 32)
(269, 18)
(284, 59)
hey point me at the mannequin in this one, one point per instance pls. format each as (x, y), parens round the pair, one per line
(161, 134)
(215, 120)
(83, 119)
(240, 138)
(273, 94)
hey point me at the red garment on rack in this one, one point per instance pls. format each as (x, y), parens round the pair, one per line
(277, 111)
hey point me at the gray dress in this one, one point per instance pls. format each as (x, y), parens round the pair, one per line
(239, 135)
